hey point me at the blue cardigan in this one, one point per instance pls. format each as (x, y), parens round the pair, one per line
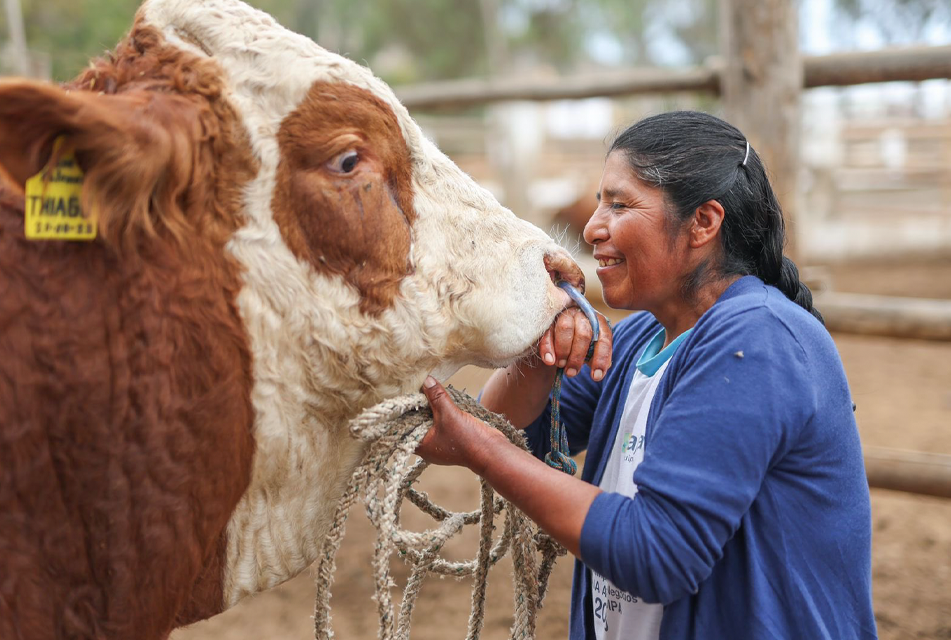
(752, 517)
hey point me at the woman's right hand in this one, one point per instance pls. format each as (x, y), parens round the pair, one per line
(521, 390)
(566, 342)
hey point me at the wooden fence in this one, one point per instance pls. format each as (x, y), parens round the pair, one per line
(840, 69)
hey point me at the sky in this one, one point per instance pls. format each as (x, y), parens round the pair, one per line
(821, 31)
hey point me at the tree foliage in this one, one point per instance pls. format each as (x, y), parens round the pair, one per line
(73, 31)
(415, 40)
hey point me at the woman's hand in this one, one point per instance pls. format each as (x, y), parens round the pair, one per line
(558, 502)
(456, 438)
(566, 342)
(520, 391)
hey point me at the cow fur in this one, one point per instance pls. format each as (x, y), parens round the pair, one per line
(173, 395)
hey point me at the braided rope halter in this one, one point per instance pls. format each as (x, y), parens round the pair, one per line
(392, 431)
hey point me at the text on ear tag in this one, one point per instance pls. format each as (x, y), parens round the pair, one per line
(54, 202)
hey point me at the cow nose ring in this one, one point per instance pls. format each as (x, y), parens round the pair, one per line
(586, 308)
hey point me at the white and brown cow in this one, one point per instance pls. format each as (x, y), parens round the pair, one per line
(279, 248)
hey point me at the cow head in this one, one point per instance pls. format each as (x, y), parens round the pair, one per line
(364, 250)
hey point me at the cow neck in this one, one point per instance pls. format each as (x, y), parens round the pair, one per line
(305, 453)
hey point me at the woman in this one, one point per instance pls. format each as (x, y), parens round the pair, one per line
(724, 493)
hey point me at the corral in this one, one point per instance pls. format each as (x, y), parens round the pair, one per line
(900, 383)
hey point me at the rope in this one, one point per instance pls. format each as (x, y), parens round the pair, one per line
(392, 430)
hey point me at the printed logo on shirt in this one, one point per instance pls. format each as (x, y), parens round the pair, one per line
(630, 445)
(608, 601)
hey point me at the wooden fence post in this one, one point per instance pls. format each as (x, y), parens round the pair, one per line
(21, 56)
(760, 85)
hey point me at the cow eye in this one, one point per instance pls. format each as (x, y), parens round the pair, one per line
(345, 163)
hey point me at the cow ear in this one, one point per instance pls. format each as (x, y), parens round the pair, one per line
(33, 114)
(130, 146)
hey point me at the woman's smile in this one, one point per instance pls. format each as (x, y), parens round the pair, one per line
(609, 262)
(608, 265)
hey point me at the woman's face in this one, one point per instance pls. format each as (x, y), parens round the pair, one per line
(640, 264)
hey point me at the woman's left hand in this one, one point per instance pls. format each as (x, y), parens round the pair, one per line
(456, 438)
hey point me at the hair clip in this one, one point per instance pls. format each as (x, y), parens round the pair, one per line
(747, 156)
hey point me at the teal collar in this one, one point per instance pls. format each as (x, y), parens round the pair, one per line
(653, 358)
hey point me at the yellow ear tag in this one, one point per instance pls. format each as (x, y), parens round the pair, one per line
(53, 202)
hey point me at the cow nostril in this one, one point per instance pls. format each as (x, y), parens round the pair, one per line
(561, 266)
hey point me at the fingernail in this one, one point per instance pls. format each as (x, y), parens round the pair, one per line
(562, 363)
(598, 374)
(429, 382)
(549, 359)
(571, 372)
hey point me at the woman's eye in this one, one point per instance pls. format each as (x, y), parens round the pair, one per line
(345, 163)
(617, 205)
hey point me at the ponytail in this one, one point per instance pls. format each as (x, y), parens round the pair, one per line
(794, 289)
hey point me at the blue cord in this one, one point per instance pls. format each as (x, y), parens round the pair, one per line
(558, 456)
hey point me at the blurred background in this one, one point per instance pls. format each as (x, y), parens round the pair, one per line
(874, 177)
(861, 157)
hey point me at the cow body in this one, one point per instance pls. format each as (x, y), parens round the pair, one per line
(101, 510)
(279, 248)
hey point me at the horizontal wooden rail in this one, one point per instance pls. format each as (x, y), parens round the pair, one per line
(467, 93)
(840, 69)
(895, 317)
(909, 471)
(886, 65)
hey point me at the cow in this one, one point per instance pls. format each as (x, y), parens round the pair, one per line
(278, 247)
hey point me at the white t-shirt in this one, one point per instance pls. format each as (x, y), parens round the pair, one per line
(619, 615)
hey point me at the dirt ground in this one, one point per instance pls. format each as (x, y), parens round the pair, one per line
(903, 393)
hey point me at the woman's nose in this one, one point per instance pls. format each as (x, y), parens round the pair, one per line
(595, 231)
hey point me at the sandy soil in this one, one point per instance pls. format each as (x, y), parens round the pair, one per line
(903, 393)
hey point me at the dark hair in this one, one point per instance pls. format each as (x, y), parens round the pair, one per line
(694, 157)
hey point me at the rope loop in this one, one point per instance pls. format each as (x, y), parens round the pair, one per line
(392, 430)
(558, 456)
(560, 461)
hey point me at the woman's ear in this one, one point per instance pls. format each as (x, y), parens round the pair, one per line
(707, 220)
